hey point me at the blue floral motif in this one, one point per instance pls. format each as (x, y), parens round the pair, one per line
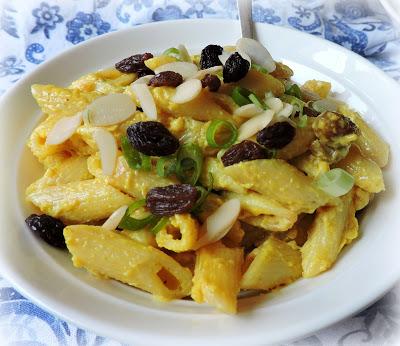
(167, 13)
(308, 20)
(352, 9)
(10, 65)
(101, 3)
(137, 5)
(47, 17)
(338, 31)
(199, 8)
(7, 21)
(265, 15)
(229, 7)
(32, 49)
(86, 25)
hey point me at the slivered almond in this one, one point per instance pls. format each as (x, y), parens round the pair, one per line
(218, 224)
(108, 150)
(185, 69)
(257, 52)
(255, 124)
(143, 80)
(187, 91)
(64, 129)
(248, 111)
(146, 100)
(211, 70)
(286, 111)
(115, 218)
(110, 110)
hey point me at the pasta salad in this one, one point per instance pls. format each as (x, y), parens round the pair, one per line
(202, 175)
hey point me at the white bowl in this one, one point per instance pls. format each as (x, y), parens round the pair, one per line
(364, 272)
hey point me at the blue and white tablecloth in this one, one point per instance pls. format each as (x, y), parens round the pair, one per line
(31, 32)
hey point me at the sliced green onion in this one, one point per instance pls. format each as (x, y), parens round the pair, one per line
(254, 99)
(259, 68)
(294, 90)
(212, 132)
(130, 223)
(160, 225)
(271, 153)
(303, 120)
(135, 159)
(240, 96)
(166, 166)
(189, 163)
(203, 195)
(336, 182)
(174, 52)
(184, 54)
(298, 105)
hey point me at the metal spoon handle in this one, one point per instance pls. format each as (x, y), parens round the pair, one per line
(245, 17)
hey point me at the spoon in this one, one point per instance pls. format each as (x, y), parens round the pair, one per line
(245, 17)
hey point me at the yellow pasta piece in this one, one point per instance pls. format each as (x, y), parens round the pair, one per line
(282, 71)
(321, 88)
(325, 237)
(300, 143)
(258, 210)
(217, 276)
(202, 108)
(180, 234)
(158, 61)
(272, 264)
(276, 179)
(258, 82)
(112, 255)
(221, 179)
(367, 174)
(311, 165)
(133, 182)
(143, 236)
(61, 102)
(361, 198)
(65, 171)
(78, 201)
(371, 145)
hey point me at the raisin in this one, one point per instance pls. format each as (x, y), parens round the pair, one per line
(235, 68)
(311, 112)
(144, 72)
(133, 63)
(171, 199)
(167, 78)
(209, 56)
(212, 82)
(48, 228)
(243, 151)
(152, 138)
(277, 135)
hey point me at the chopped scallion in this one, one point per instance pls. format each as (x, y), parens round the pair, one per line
(294, 90)
(241, 96)
(166, 166)
(217, 126)
(303, 120)
(134, 158)
(160, 225)
(133, 224)
(254, 99)
(189, 163)
(336, 182)
(259, 68)
(174, 52)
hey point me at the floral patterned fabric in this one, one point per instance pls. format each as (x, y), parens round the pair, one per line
(33, 31)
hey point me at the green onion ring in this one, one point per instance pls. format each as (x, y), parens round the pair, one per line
(213, 129)
(165, 166)
(160, 225)
(133, 224)
(259, 68)
(294, 90)
(189, 163)
(134, 158)
(254, 99)
(240, 96)
(336, 182)
(174, 52)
